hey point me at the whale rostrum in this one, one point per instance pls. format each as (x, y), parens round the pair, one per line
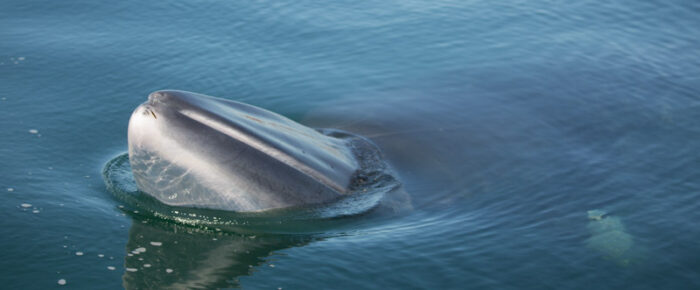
(192, 150)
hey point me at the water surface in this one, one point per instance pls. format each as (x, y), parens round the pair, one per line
(506, 123)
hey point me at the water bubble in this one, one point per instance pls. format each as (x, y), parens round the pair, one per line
(78, 253)
(62, 282)
(156, 244)
(101, 255)
(10, 189)
(146, 265)
(33, 131)
(111, 268)
(168, 270)
(26, 205)
(35, 211)
(131, 269)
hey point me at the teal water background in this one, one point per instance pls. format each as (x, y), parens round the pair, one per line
(506, 121)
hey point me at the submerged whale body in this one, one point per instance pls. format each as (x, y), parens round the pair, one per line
(192, 150)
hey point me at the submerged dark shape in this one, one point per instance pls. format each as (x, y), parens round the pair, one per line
(193, 150)
(170, 256)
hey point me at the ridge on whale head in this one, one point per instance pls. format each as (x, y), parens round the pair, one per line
(192, 150)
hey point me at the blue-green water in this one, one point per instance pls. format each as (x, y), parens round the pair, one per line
(505, 121)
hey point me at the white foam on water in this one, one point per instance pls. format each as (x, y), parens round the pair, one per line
(146, 265)
(156, 244)
(26, 205)
(78, 253)
(10, 189)
(33, 131)
(62, 282)
(101, 255)
(111, 268)
(168, 270)
(131, 269)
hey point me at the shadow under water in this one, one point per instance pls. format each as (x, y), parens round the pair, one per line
(163, 255)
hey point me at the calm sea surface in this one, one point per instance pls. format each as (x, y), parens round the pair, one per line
(539, 144)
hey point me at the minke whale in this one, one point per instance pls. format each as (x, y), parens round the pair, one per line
(193, 150)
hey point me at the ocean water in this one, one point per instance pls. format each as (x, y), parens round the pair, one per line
(539, 144)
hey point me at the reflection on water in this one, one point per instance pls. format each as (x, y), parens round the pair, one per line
(169, 256)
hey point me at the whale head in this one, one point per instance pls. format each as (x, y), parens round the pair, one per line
(192, 150)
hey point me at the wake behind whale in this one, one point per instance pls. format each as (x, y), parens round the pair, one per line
(196, 152)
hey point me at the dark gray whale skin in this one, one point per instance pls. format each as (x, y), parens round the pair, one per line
(192, 150)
